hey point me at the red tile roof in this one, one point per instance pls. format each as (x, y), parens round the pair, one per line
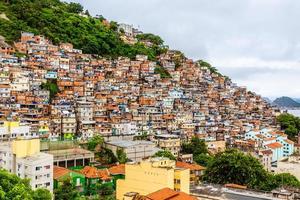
(274, 145)
(59, 172)
(189, 166)
(169, 194)
(93, 172)
(118, 169)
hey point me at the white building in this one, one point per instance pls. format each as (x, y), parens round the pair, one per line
(124, 128)
(135, 150)
(23, 158)
(128, 29)
(12, 130)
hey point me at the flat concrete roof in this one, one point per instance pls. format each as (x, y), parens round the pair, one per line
(128, 143)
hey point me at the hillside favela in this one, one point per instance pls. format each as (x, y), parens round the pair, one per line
(92, 108)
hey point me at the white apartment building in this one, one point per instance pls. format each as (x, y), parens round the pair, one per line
(12, 130)
(23, 158)
(124, 128)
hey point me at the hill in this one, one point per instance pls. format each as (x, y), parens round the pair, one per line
(67, 22)
(297, 99)
(286, 102)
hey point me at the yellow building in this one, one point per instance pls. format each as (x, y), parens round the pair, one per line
(23, 148)
(168, 142)
(8, 124)
(151, 175)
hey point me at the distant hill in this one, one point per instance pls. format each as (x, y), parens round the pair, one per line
(297, 99)
(267, 99)
(286, 102)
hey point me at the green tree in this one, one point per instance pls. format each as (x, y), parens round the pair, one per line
(233, 166)
(154, 39)
(195, 147)
(13, 187)
(121, 156)
(165, 153)
(95, 141)
(203, 159)
(74, 8)
(42, 194)
(106, 156)
(212, 69)
(104, 189)
(286, 179)
(60, 22)
(162, 72)
(66, 191)
(290, 124)
(2, 194)
(52, 87)
(19, 192)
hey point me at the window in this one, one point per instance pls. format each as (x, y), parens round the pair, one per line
(47, 167)
(78, 182)
(38, 168)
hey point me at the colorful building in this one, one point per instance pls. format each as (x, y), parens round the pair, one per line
(61, 174)
(94, 176)
(23, 158)
(151, 175)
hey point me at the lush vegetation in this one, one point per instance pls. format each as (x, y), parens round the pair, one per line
(121, 156)
(104, 190)
(13, 187)
(211, 68)
(203, 159)
(66, 191)
(199, 150)
(52, 87)
(233, 166)
(102, 154)
(290, 124)
(178, 58)
(61, 22)
(166, 154)
(105, 156)
(154, 39)
(95, 143)
(196, 146)
(162, 72)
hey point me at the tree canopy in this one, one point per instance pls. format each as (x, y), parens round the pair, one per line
(166, 154)
(60, 22)
(13, 187)
(66, 191)
(121, 156)
(290, 124)
(95, 141)
(52, 87)
(196, 146)
(154, 39)
(233, 166)
(162, 72)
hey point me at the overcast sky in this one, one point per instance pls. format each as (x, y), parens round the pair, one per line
(255, 42)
